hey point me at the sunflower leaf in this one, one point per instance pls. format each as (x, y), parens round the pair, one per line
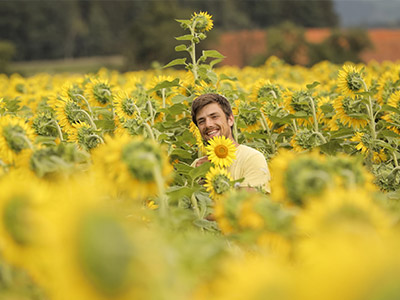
(176, 62)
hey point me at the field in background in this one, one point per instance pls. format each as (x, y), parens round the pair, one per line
(76, 65)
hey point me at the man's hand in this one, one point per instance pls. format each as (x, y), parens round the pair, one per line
(202, 161)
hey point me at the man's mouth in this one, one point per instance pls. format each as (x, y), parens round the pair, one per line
(212, 133)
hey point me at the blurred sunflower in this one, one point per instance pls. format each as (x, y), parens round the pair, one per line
(350, 211)
(249, 117)
(131, 165)
(221, 151)
(99, 93)
(351, 111)
(264, 91)
(85, 136)
(16, 139)
(162, 95)
(387, 86)
(202, 22)
(350, 80)
(298, 178)
(218, 182)
(22, 231)
(124, 105)
(304, 140)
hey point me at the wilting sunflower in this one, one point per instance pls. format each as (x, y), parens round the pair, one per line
(351, 111)
(99, 93)
(85, 136)
(249, 117)
(221, 151)
(202, 22)
(16, 139)
(350, 80)
(264, 91)
(132, 165)
(124, 105)
(218, 182)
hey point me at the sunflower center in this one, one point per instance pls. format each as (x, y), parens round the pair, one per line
(102, 93)
(221, 151)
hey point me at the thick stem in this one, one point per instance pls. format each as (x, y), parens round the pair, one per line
(150, 131)
(193, 52)
(314, 114)
(151, 111)
(87, 116)
(58, 130)
(195, 206)
(370, 112)
(87, 103)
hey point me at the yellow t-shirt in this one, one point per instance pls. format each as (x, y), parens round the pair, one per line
(251, 165)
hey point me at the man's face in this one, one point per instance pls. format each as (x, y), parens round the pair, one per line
(212, 121)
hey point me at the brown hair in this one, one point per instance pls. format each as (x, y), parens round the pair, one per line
(205, 99)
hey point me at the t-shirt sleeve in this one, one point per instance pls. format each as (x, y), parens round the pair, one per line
(257, 173)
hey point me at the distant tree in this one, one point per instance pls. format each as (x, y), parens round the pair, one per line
(340, 46)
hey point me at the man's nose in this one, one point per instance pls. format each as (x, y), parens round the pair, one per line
(208, 122)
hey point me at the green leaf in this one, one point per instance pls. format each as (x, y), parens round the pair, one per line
(200, 171)
(226, 77)
(180, 48)
(312, 85)
(176, 62)
(186, 37)
(215, 61)
(181, 153)
(212, 53)
(165, 84)
(183, 168)
(105, 124)
(390, 108)
(179, 99)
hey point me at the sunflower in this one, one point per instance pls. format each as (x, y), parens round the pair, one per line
(85, 136)
(162, 95)
(218, 182)
(351, 111)
(298, 178)
(124, 106)
(22, 230)
(350, 210)
(221, 151)
(299, 102)
(304, 140)
(99, 93)
(249, 117)
(392, 117)
(16, 139)
(92, 253)
(386, 87)
(264, 91)
(350, 80)
(131, 165)
(202, 22)
(197, 135)
(366, 147)
(68, 112)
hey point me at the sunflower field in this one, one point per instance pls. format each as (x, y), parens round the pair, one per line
(99, 199)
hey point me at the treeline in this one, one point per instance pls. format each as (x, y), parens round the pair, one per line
(142, 31)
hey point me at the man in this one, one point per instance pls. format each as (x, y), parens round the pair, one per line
(212, 114)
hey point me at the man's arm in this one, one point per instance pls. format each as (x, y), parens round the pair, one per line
(256, 173)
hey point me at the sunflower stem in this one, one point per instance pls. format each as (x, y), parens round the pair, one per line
(87, 103)
(195, 205)
(370, 112)
(151, 111)
(193, 51)
(396, 164)
(314, 114)
(58, 130)
(150, 131)
(265, 126)
(161, 191)
(87, 116)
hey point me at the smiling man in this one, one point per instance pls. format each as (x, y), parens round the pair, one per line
(212, 114)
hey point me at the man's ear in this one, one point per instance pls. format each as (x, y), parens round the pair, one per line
(231, 120)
